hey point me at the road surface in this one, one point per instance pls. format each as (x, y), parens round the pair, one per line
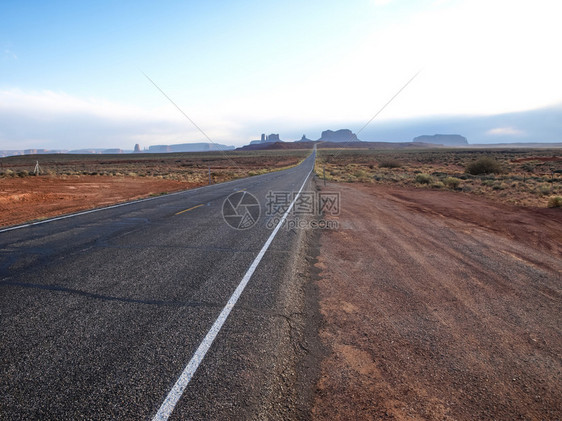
(101, 312)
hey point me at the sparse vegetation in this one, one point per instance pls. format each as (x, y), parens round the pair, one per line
(188, 167)
(519, 175)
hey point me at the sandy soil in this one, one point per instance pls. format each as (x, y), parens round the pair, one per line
(439, 306)
(30, 198)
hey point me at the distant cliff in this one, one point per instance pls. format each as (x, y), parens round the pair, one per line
(342, 135)
(443, 139)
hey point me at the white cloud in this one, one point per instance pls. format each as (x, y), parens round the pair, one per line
(381, 2)
(505, 131)
(439, 3)
(478, 57)
(10, 55)
(56, 120)
(49, 103)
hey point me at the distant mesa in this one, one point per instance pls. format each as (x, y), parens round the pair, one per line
(35, 151)
(94, 151)
(442, 139)
(272, 138)
(189, 147)
(183, 147)
(342, 137)
(339, 136)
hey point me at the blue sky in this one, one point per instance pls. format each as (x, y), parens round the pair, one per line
(71, 73)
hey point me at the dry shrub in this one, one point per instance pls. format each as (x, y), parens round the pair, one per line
(544, 189)
(423, 178)
(452, 182)
(390, 163)
(555, 202)
(484, 165)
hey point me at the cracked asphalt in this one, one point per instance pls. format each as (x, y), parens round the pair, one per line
(100, 313)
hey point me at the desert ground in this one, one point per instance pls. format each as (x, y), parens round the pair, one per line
(439, 305)
(70, 183)
(440, 292)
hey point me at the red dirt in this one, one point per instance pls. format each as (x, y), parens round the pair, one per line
(26, 199)
(439, 306)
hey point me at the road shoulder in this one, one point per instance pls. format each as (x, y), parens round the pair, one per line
(290, 391)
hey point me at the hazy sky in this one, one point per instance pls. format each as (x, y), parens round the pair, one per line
(71, 73)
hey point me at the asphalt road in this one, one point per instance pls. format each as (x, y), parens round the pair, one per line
(101, 312)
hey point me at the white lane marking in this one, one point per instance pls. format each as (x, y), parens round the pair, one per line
(175, 394)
